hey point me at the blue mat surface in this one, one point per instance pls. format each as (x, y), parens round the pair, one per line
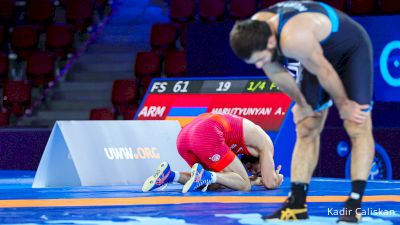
(21, 204)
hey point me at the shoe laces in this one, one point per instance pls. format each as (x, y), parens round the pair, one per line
(200, 182)
(290, 214)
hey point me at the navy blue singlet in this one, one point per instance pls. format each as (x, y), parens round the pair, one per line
(347, 48)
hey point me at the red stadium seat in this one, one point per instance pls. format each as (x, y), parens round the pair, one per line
(182, 10)
(124, 95)
(17, 96)
(60, 39)
(40, 11)
(130, 112)
(4, 117)
(212, 10)
(147, 63)
(175, 64)
(102, 114)
(7, 11)
(389, 6)
(4, 66)
(79, 14)
(40, 68)
(361, 7)
(24, 39)
(338, 4)
(163, 37)
(243, 9)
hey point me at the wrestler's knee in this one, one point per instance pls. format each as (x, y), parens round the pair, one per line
(246, 186)
(357, 130)
(308, 129)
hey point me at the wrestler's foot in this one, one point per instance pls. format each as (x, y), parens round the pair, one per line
(288, 213)
(352, 213)
(161, 178)
(199, 178)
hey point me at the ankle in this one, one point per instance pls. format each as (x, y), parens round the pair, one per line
(297, 196)
(352, 203)
(357, 192)
(294, 204)
(176, 175)
(213, 177)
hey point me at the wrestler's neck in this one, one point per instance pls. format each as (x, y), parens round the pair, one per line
(271, 18)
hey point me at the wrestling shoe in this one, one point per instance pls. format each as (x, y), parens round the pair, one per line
(199, 178)
(161, 178)
(352, 214)
(286, 213)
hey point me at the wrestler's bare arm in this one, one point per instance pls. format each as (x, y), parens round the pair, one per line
(279, 75)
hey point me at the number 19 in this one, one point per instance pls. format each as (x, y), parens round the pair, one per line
(224, 86)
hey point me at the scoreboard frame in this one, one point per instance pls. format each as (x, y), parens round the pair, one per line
(283, 137)
(204, 85)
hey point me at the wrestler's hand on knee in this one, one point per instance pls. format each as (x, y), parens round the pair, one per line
(352, 111)
(302, 112)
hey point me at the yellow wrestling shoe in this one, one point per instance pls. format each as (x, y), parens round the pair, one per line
(286, 213)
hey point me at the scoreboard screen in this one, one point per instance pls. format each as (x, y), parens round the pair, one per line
(254, 98)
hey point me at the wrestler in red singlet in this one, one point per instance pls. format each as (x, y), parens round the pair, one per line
(209, 144)
(212, 140)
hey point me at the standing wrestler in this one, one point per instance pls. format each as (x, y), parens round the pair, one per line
(210, 145)
(336, 54)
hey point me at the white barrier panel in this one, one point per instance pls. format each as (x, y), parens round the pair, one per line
(98, 153)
